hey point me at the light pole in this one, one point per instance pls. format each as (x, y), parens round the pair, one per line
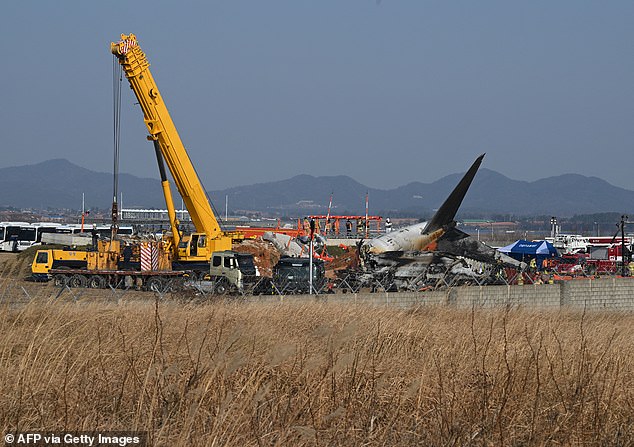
(553, 227)
(310, 255)
(623, 221)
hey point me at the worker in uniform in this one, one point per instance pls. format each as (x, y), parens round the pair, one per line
(127, 254)
(533, 265)
(14, 243)
(388, 225)
(95, 237)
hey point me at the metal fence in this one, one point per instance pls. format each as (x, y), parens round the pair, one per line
(346, 281)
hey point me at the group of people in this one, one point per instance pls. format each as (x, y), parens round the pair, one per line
(361, 226)
(543, 265)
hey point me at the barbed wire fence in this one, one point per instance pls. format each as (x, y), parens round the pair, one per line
(14, 290)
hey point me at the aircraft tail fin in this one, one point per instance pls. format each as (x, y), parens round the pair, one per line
(447, 211)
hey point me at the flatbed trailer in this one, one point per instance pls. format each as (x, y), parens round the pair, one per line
(100, 279)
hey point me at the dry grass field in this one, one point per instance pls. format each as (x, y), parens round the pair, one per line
(252, 374)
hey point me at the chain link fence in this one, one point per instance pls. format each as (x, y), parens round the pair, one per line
(344, 281)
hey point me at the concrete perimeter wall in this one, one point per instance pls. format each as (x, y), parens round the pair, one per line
(596, 294)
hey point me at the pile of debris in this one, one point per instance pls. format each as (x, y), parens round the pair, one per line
(347, 260)
(265, 255)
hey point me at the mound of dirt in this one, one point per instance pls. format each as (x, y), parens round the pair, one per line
(17, 265)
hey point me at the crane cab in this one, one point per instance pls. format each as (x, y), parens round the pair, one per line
(198, 246)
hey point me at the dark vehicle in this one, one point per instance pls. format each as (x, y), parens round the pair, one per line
(292, 275)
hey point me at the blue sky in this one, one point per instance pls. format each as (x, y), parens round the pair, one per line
(386, 92)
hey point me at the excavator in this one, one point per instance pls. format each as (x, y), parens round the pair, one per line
(189, 251)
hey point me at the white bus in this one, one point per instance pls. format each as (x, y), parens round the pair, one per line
(104, 231)
(9, 235)
(32, 235)
(18, 236)
(73, 229)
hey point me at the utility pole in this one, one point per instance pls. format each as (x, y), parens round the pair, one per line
(83, 211)
(310, 254)
(366, 214)
(622, 225)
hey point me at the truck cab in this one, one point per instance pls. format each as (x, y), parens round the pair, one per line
(45, 260)
(231, 271)
(193, 247)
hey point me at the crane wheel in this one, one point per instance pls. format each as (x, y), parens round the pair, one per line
(154, 285)
(77, 281)
(60, 280)
(97, 282)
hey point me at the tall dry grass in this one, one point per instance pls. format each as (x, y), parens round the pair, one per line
(318, 374)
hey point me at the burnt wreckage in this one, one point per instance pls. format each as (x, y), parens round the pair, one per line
(430, 254)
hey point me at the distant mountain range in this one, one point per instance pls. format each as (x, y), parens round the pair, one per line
(59, 184)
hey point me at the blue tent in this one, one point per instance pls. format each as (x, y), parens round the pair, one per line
(523, 250)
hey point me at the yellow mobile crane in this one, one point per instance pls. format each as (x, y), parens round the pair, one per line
(196, 248)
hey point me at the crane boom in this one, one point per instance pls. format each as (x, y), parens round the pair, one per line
(163, 132)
